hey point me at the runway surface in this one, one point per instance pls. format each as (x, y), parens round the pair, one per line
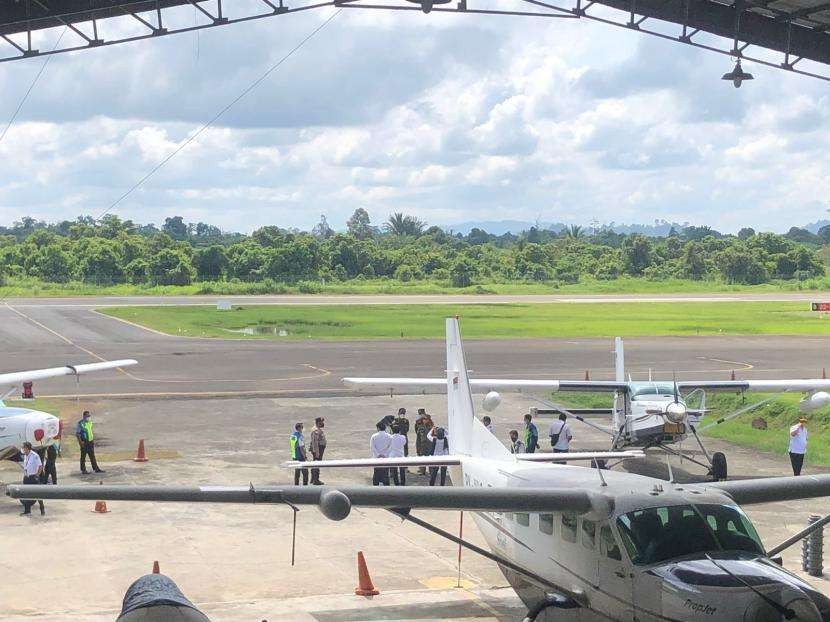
(44, 335)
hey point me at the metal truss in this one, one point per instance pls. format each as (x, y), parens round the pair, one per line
(783, 37)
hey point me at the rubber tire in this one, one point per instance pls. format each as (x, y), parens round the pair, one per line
(719, 471)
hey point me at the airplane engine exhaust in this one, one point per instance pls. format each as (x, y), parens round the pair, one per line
(491, 401)
(335, 505)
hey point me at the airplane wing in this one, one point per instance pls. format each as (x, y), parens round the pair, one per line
(69, 370)
(760, 386)
(414, 461)
(336, 502)
(749, 491)
(483, 385)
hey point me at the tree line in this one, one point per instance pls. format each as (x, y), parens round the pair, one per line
(112, 250)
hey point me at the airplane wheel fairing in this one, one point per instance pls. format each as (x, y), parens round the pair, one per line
(719, 471)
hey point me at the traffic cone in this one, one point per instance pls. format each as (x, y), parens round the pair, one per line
(140, 456)
(732, 377)
(101, 506)
(156, 568)
(365, 586)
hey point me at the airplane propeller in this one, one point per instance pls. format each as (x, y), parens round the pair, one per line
(676, 410)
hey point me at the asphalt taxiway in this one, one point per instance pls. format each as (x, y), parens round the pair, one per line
(45, 335)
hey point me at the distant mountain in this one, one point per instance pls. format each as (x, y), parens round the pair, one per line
(660, 228)
(813, 227)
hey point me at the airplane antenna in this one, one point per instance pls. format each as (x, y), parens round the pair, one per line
(599, 472)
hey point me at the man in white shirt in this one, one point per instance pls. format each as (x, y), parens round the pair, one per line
(798, 444)
(516, 444)
(397, 449)
(560, 435)
(32, 469)
(440, 447)
(380, 444)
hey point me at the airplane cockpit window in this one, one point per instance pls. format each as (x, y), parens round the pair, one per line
(732, 528)
(608, 544)
(647, 392)
(569, 527)
(655, 535)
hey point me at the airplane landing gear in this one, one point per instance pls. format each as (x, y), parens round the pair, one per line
(551, 601)
(718, 470)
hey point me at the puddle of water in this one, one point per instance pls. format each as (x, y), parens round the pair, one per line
(260, 330)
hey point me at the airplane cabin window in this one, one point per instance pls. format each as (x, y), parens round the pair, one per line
(508, 516)
(589, 534)
(608, 544)
(523, 519)
(546, 523)
(569, 527)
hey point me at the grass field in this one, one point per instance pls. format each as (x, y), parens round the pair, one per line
(480, 321)
(26, 287)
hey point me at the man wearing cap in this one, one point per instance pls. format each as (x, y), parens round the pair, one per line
(798, 444)
(318, 447)
(423, 425)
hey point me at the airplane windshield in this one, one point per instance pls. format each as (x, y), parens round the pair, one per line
(650, 390)
(658, 534)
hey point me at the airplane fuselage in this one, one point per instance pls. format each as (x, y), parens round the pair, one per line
(589, 559)
(18, 425)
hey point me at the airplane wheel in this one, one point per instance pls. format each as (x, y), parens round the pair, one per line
(719, 466)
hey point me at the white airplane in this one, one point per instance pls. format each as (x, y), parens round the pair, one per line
(610, 545)
(644, 414)
(18, 425)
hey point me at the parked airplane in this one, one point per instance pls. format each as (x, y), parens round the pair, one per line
(610, 545)
(18, 425)
(644, 414)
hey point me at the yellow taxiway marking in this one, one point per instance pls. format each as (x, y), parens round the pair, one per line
(741, 364)
(133, 324)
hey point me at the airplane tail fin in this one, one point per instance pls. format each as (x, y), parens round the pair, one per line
(460, 411)
(619, 360)
(467, 435)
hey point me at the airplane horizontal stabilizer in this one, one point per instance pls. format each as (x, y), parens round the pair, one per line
(482, 385)
(375, 462)
(582, 455)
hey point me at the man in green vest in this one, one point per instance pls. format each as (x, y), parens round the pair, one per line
(86, 442)
(297, 445)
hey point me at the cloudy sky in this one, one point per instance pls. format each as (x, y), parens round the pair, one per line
(449, 117)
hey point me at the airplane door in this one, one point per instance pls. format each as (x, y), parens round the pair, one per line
(616, 580)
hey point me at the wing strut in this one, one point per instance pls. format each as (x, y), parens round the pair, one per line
(405, 514)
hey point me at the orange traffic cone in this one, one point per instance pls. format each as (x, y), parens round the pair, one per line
(156, 568)
(365, 586)
(140, 456)
(101, 506)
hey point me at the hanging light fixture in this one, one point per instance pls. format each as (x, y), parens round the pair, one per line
(737, 75)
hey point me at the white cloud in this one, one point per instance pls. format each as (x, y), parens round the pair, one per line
(451, 118)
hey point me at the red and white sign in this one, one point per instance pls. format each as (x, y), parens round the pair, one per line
(820, 306)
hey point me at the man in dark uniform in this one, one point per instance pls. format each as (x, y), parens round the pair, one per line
(403, 428)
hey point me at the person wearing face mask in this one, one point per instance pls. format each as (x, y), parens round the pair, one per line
(86, 441)
(32, 470)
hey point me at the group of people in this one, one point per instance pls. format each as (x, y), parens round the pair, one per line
(40, 465)
(316, 449)
(391, 440)
(560, 436)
